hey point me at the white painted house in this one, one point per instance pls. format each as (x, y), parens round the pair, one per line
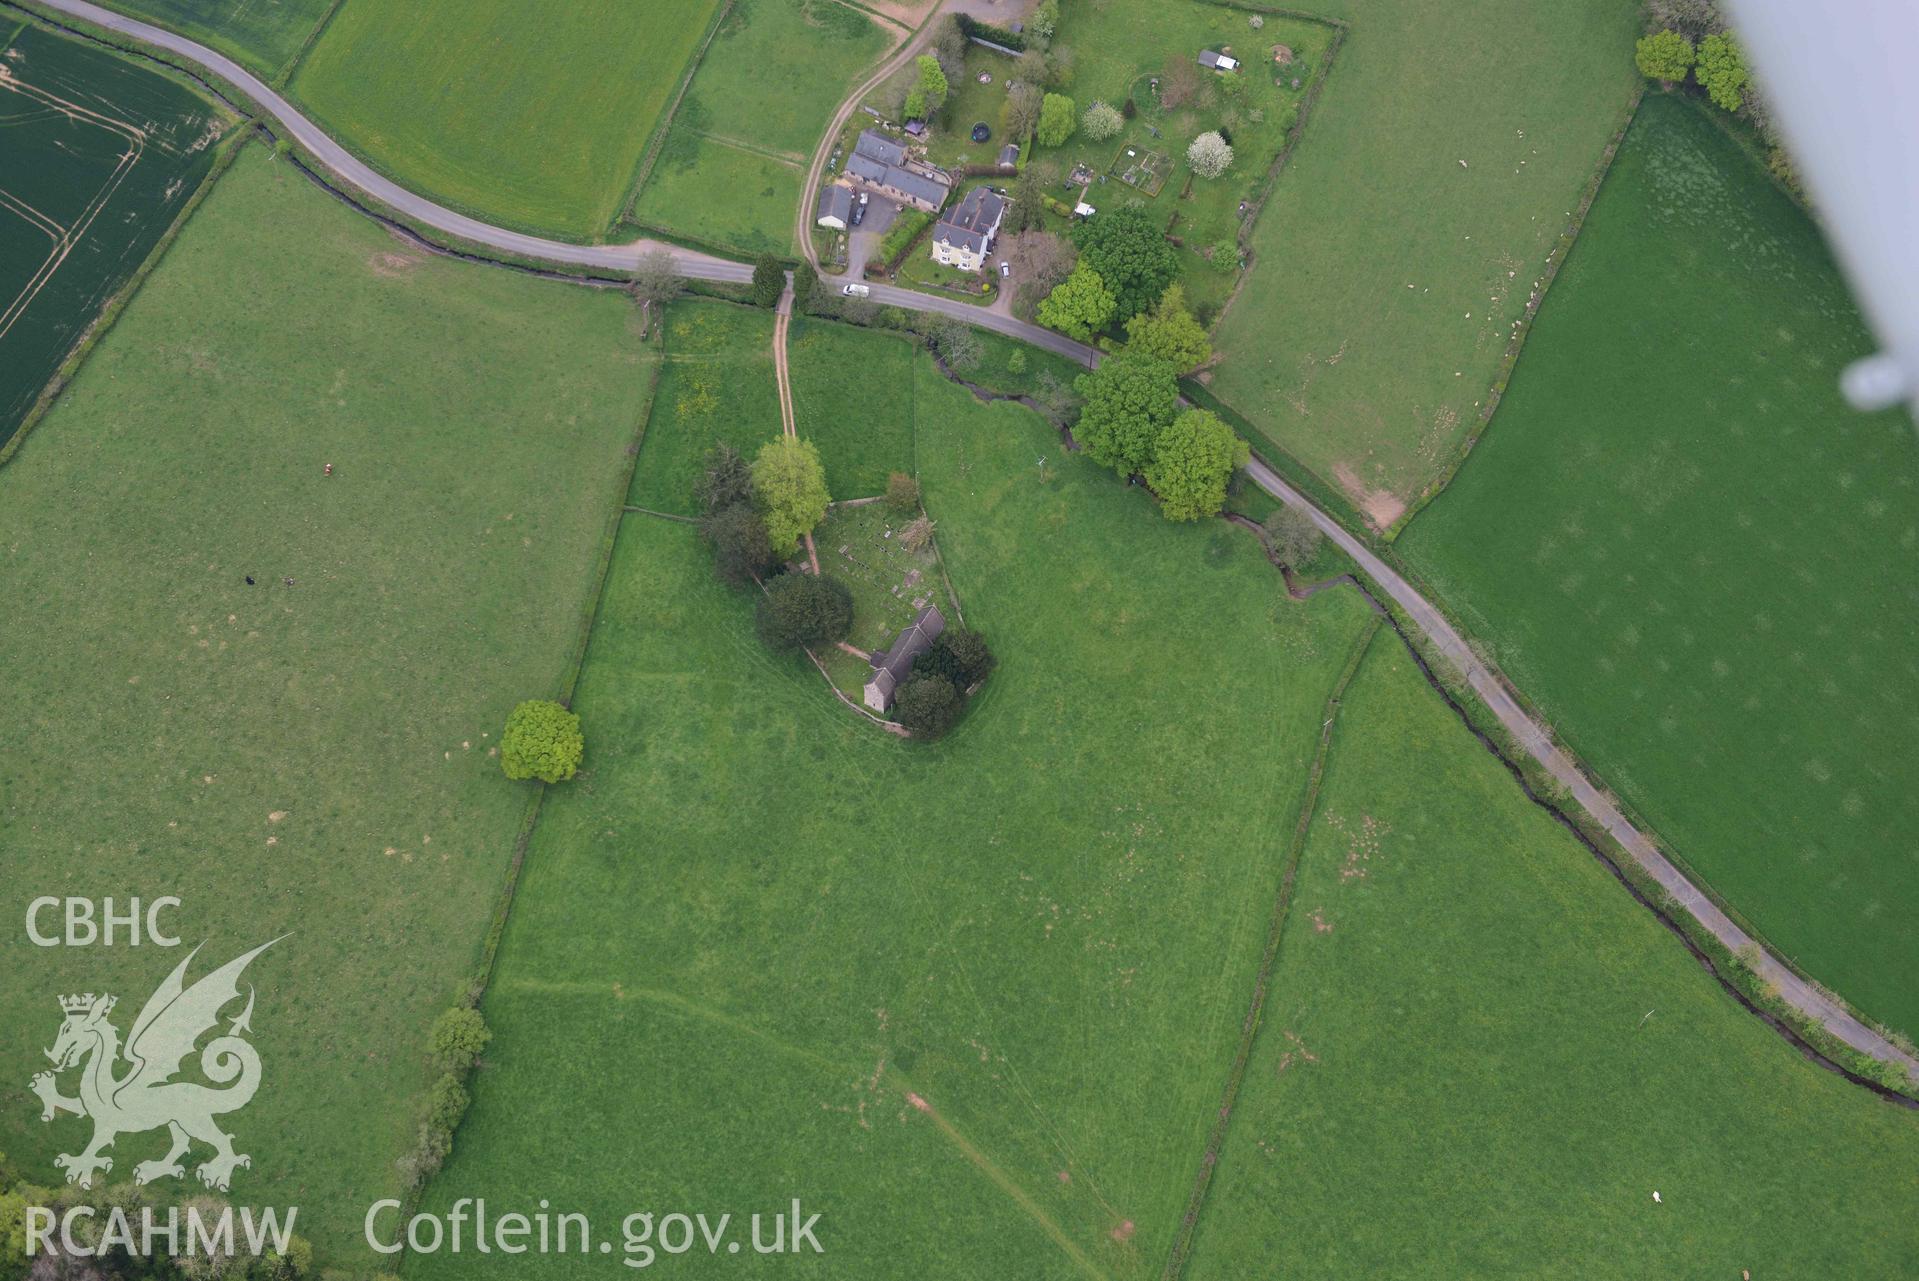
(964, 236)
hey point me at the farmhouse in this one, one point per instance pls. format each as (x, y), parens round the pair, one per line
(964, 236)
(836, 207)
(880, 163)
(1215, 61)
(896, 664)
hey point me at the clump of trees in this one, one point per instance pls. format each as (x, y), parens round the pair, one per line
(932, 700)
(453, 1047)
(928, 93)
(1131, 420)
(543, 741)
(730, 520)
(1691, 37)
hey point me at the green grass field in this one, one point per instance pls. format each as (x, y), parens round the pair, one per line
(533, 120)
(853, 397)
(1700, 564)
(99, 156)
(776, 70)
(718, 385)
(1480, 1057)
(734, 162)
(726, 197)
(265, 35)
(1118, 47)
(1388, 276)
(313, 758)
(757, 930)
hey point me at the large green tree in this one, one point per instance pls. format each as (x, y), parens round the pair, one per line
(803, 610)
(1057, 119)
(1128, 248)
(1193, 462)
(1130, 399)
(769, 281)
(543, 741)
(1080, 305)
(790, 483)
(1170, 332)
(928, 705)
(1721, 70)
(1664, 55)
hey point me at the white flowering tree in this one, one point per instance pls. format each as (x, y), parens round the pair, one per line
(1210, 155)
(1101, 121)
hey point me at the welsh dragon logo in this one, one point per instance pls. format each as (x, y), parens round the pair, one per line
(145, 1096)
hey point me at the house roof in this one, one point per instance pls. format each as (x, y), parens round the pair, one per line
(972, 221)
(893, 667)
(880, 147)
(931, 190)
(835, 202)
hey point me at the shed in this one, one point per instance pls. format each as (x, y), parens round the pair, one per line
(1213, 60)
(835, 208)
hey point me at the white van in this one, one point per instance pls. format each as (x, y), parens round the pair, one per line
(856, 291)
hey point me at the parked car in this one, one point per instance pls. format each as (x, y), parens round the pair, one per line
(1005, 270)
(859, 214)
(856, 291)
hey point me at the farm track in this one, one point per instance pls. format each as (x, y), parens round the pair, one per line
(1486, 682)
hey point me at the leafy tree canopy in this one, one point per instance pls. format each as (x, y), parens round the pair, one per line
(1128, 248)
(1210, 154)
(1721, 70)
(1664, 55)
(960, 656)
(803, 610)
(791, 485)
(1101, 122)
(1057, 119)
(543, 741)
(1079, 306)
(1169, 332)
(1193, 463)
(1130, 399)
(927, 705)
(769, 281)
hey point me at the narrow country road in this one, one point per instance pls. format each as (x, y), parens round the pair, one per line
(356, 174)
